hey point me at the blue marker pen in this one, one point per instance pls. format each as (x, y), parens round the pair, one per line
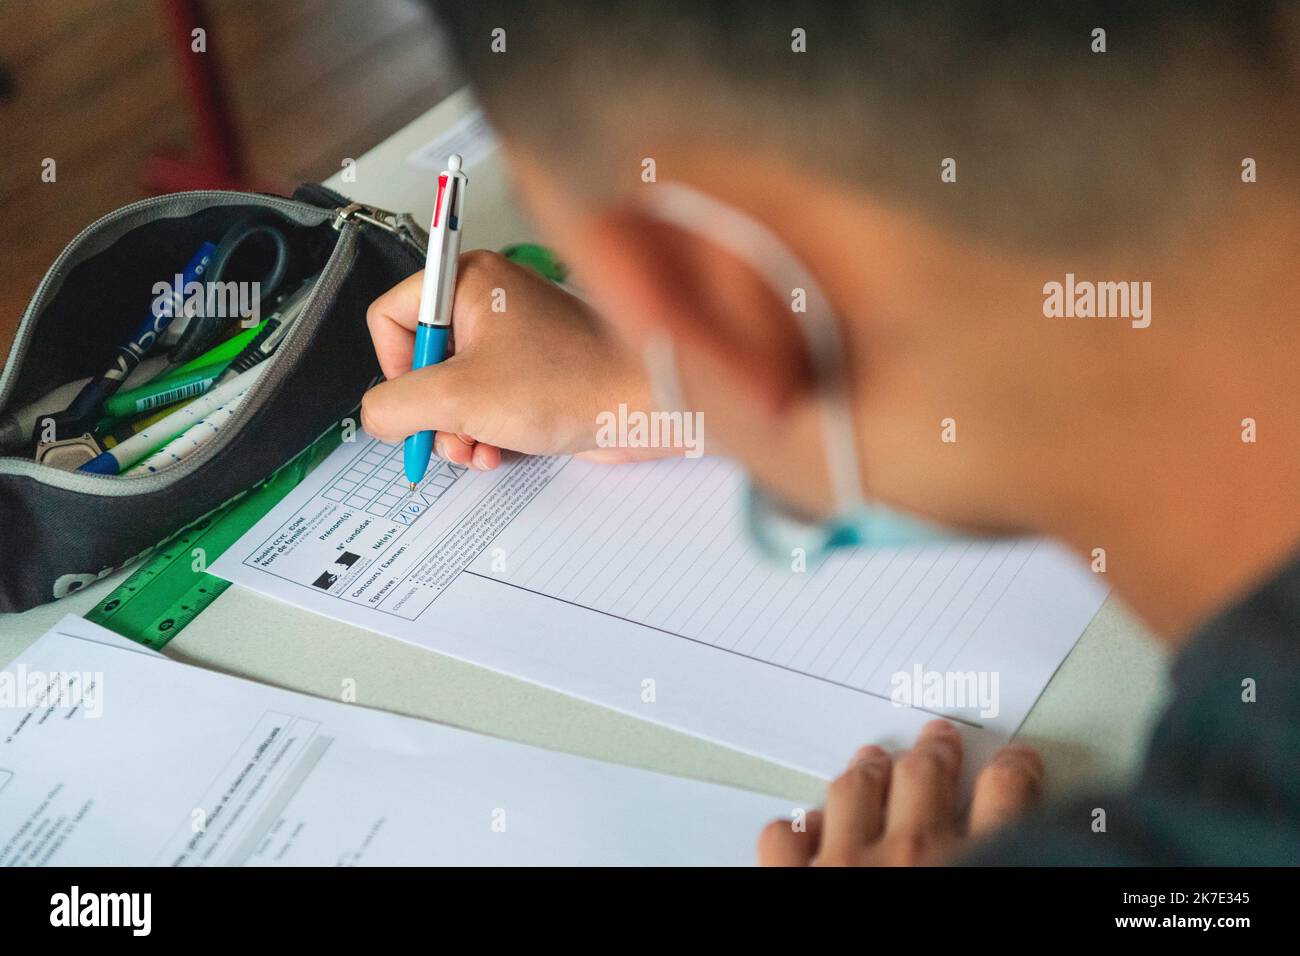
(434, 328)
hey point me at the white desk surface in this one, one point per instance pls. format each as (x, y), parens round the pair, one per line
(1091, 723)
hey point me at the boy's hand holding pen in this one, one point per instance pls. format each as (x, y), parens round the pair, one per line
(531, 368)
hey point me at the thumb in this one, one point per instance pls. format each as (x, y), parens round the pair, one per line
(427, 399)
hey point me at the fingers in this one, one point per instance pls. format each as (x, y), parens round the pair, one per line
(392, 318)
(1009, 786)
(905, 814)
(923, 789)
(855, 807)
(464, 450)
(486, 457)
(453, 448)
(429, 399)
(782, 843)
(434, 398)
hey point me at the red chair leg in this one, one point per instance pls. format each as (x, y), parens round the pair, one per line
(219, 162)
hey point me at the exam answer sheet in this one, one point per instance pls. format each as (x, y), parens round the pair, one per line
(111, 754)
(634, 587)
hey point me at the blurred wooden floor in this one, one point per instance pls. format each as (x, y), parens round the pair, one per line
(96, 88)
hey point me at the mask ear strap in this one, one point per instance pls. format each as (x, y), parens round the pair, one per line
(769, 257)
(842, 464)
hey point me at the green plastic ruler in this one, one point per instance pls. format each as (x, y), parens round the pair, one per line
(160, 598)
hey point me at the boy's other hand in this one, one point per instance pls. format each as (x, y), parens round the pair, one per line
(531, 368)
(885, 813)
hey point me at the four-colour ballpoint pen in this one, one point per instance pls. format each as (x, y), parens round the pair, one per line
(434, 320)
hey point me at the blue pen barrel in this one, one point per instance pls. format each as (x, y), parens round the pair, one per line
(430, 349)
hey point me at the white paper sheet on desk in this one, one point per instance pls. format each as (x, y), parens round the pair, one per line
(470, 136)
(634, 587)
(152, 762)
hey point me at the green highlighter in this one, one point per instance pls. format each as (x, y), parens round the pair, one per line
(222, 353)
(186, 381)
(166, 390)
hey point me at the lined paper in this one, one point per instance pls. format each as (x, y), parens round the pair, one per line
(659, 545)
(636, 587)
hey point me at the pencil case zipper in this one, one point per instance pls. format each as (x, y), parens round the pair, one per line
(346, 220)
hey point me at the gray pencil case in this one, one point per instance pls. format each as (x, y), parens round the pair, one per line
(61, 530)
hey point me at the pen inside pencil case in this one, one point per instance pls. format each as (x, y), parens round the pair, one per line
(197, 436)
(200, 419)
(122, 457)
(215, 366)
(107, 286)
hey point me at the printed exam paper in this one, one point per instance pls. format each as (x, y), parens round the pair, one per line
(119, 756)
(634, 587)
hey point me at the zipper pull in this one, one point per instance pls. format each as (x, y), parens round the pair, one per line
(374, 216)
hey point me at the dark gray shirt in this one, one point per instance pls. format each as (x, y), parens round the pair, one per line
(1221, 780)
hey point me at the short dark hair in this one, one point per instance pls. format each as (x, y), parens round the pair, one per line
(1051, 136)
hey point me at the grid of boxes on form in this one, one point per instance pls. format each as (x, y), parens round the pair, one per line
(376, 484)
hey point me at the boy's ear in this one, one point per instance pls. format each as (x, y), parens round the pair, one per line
(652, 278)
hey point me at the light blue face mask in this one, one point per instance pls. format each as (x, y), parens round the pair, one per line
(776, 529)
